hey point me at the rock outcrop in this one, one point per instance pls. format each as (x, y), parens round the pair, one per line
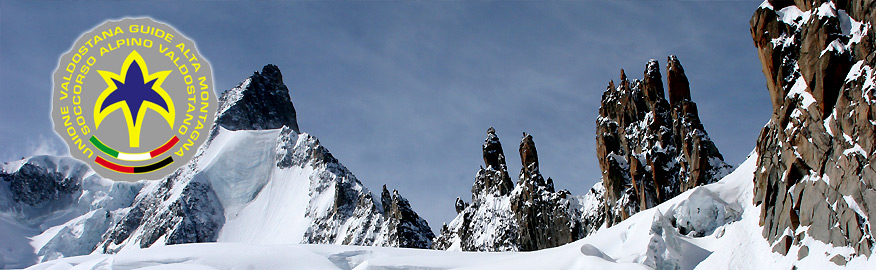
(61, 193)
(406, 228)
(505, 217)
(815, 176)
(651, 150)
(267, 107)
(545, 218)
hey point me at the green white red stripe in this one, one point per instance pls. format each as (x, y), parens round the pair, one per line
(133, 156)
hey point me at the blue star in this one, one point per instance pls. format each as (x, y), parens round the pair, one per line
(134, 91)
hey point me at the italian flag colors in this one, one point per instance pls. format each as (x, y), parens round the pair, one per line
(134, 157)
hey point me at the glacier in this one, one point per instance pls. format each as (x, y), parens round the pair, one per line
(669, 236)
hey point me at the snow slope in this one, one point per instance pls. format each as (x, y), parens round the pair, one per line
(256, 180)
(52, 207)
(709, 227)
(273, 186)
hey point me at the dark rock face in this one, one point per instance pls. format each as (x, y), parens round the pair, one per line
(542, 214)
(815, 176)
(494, 178)
(259, 102)
(651, 150)
(60, 193)
(407, 229)
(37, 186)
(185, 208)
(40, 186)
(195, 216)
(503, 217)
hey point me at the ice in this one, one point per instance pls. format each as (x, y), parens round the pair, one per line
(702, 213)
(15, 248)
(237, 165)
(850, 27)
(710, 227)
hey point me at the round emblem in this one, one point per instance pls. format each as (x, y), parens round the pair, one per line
(133, 98)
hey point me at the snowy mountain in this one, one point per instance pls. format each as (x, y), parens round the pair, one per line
(650, 149)
(708, 227)
(256, 180)
(52, 207)
(530, 215)
(803, 198)
(815, 181)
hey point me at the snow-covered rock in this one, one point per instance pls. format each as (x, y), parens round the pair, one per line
(651, 149)
(52, 207)
(646, 240)
(256, 180)
(815, 180)
(505, 217)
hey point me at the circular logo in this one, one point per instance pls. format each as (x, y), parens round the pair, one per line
(133, 98)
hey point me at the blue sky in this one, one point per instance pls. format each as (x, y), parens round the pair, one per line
(403, 92)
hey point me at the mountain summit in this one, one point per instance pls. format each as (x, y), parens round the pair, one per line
(651, 149)
(530, 215)
(258, 179)
(259, 102)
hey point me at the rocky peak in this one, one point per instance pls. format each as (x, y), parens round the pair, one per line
(198, 202)
(407, 228)
(815, 175)
(259, 102)
(679, 88)
(494, 179)
(504, 217)
(653, 84)
(40, 185)
(650, 151)
(529, 172)
(493, 155)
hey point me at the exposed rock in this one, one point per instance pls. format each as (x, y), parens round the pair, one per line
(651, 150)
(196, 202)
(503, 217)
(36, 186)
(63, 194)
(542, 214)
(406, 228)
(259, 102)
(839, 260)
(679, 87)
(460, 205)
(814, 175)
(494, 178)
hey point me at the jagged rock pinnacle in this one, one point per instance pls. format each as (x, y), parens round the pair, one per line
(504, 217)
(528, 157)
(679, 87)
(260, 102)
(493, 179)
(653, 84)
(650, 151)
